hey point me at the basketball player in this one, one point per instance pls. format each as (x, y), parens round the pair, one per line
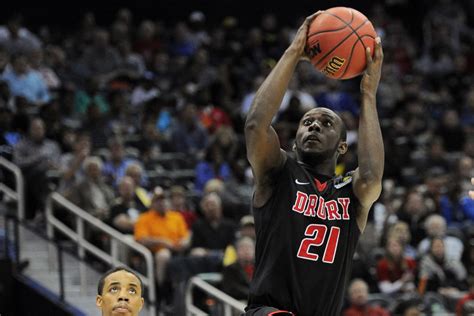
(120, 293)
(307, 220)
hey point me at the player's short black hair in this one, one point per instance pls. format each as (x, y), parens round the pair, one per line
(100, 286)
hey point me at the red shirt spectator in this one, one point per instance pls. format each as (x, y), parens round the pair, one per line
(395, 271)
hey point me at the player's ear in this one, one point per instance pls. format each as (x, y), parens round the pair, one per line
(98, 301)
(142, 302)
(342, 147)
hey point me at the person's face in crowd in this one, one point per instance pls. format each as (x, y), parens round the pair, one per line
(116, 152)
(189, 114)
(415, 203)
(135, 173)
(394, 248)
(147, 30)
(246, 250)
(178, 200)
(358, 293)
(401, 232)
(94, 171)
(319, 135)
(127, 188)
(225, 136)
(412, 311)
(212, 207)
(248, 231)
(121, 295)
(20, 65)
(451, 119)
(14, 26)
(466, 166)
(36, 58)
(101, 39)
(437, 248)
(37, 130)
(158, 202)
(161, 62)
(83, 144)
(437, 228)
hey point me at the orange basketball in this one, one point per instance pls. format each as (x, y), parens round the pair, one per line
(336, 43)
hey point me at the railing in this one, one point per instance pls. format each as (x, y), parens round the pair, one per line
(229, 303)
(18, 193)
(78, 236)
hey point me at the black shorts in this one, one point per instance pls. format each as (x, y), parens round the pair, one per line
(267, 311)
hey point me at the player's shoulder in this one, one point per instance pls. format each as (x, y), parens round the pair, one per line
(343, 180)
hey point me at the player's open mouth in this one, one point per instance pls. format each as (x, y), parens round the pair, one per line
(312, 138)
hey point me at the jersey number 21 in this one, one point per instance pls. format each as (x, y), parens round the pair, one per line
(317, 235)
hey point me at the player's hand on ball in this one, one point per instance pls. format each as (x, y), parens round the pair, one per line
(370, 80)
(299, 42)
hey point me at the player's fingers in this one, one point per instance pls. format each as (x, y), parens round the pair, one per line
(368, 56)
(313, 16)
(378, 49)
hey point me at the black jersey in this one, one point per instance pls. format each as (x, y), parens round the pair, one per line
(307, 233)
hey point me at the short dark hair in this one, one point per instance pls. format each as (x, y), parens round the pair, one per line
(100, 286)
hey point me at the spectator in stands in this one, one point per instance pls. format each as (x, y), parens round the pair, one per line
(465, 305)
(144, 91)
(99, 59)
(413, 212)
(89, 96)
(131, 63)
(16, 38)
(213, 233)
(25, 82)
(451, 131)
(36, 155)
(237, 276)
(148, 41)
(38, 64)
(441, 274)
(246, 229)
(92, 193)
(395, 272)
(358, 291)
(135, 171)
(180, 203)
(126, 208)
(188, 135)
(117, 163)
(212, 166)
(400, 231)
(162, 231)
(226, 140)
(435, 226)
(232, 206)
(120, 291)
(72, 162)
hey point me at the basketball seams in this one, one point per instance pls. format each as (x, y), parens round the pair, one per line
(334, 30)
(340, 43)
(327, 31)
(349, 59)
(349, 26)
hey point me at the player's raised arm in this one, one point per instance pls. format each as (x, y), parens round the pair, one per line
(370, 151)
(263, 147)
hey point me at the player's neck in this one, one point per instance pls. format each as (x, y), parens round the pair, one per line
(325, 167)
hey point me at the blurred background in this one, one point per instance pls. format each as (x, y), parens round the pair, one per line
(124, 123)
